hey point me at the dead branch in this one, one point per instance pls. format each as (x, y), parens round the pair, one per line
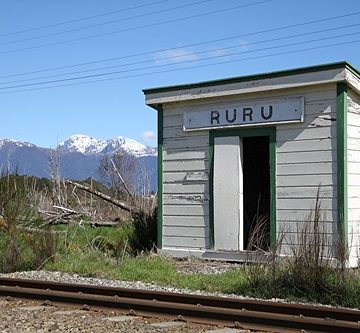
(39, 230)
(61, 215)
(122, 180)
(68, 210)
(92, 223)
(101, 195)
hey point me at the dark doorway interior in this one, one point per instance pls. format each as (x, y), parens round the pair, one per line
(256, 173)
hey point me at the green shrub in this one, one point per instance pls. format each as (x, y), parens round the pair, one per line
(114, 242)
(143, 238)
(22, 244)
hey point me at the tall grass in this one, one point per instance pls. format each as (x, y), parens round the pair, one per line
(315, 270)
(143, 239)
(22, 244)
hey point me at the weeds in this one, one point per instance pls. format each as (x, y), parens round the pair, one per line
(315, 270)
(22, 245)
(145, 231)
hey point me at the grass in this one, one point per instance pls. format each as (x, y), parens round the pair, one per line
(102, 253)
(162, 271)
(123, 253)
(90, 252)
(150, 269)
(105, 253)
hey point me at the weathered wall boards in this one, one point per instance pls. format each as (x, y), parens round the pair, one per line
(247, 156)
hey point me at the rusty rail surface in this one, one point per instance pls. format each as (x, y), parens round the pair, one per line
(233, 312)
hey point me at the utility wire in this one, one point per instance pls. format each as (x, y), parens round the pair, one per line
(189, 67)
(136, 27)
(166, 65)
(82, 18)
(194, 53)
(186, 45)
(103, 23)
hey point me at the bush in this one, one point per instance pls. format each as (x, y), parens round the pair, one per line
(23, 245)
(143, 239)
(114, 242)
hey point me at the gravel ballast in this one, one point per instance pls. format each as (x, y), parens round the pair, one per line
(17, 316)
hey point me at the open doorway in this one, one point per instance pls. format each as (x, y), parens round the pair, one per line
(241, 193)
(256, 189)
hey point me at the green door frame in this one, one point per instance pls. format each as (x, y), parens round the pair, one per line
(245, 132)
(160, 142)
(342, 162)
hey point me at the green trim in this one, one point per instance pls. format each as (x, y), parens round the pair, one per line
(211, 189)
(270, 75)
(353, 70)
(341, 134)
(245, 132)
(160, 137)
(272, 139)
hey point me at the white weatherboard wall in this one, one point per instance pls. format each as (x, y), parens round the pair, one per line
(353, 130)
(306, 162)
(185, 185)
(306, 158)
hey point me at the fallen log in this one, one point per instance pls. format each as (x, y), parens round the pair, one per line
(101, 195)
(92, 223)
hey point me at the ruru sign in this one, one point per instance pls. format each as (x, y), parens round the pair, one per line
(256, 113)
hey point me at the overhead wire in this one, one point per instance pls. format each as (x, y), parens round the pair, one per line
(103, 23)
(183, 62)
(186, 45)
(174, 57)
(187, 68)
(136, 27)
(82, 18)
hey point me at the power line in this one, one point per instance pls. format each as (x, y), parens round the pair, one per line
(104, 23)
(165, 65)
(136, 27)
(83, 18)
(187, 68)
(196, 53)
(187, 45)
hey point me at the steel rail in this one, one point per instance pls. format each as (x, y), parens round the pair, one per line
(245, 313)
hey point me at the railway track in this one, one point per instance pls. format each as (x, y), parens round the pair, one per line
(233, 312)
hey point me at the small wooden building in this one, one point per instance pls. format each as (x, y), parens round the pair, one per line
(252, 152)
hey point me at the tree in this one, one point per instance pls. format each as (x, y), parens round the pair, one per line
(118, 172)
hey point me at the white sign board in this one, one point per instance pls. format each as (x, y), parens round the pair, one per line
(253, 113)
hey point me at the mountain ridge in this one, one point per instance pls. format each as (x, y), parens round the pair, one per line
(80, 157)
(90, 145)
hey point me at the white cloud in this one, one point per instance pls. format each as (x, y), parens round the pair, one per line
(149, 136)
(240, 45)
(243, 44)
(176, 56)
(218, 53)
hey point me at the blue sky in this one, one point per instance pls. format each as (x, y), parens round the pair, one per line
(42, 35)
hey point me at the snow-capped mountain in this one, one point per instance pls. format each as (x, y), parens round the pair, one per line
(81, 143)
(89, 145)
(15, 142)
(80, 157)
